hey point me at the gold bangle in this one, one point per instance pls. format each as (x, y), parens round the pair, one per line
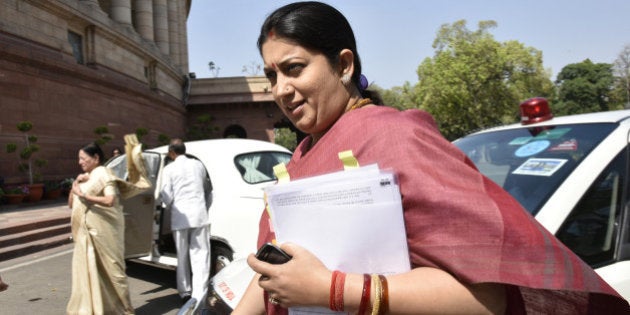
(378, 292)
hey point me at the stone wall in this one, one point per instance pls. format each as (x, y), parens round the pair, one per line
(122, 82)
(70, 66)
(257, 119)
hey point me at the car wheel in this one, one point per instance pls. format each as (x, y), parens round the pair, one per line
(221, 256)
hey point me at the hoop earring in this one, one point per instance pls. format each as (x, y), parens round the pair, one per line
(345, 79)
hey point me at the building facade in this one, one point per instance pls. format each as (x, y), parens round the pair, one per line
(240, 107)
(72, 67)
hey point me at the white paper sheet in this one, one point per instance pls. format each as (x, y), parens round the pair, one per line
(351, 220)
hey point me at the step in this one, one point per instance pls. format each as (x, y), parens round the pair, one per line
(18, 250)
(34, 225)
(27, 236)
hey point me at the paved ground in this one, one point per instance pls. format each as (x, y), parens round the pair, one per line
(39, 282)
(153, 289)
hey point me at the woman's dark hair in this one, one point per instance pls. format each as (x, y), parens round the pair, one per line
(93, 150)
(317, 26)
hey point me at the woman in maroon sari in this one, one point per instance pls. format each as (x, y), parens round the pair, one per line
(473, 249)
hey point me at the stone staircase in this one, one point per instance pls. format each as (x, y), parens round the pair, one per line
(28, 230)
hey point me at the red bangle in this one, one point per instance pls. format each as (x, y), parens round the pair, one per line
(365, 296)
(339, 286)
(331, 299)
(385, 299)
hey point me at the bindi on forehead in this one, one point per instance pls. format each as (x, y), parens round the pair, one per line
(274, 66)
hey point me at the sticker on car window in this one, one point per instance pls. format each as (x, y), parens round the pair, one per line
(554, 133)
(532, 148)
(569, 145)
(520, 140)
(540, 167)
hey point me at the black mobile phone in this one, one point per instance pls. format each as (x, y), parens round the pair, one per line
(272, 254)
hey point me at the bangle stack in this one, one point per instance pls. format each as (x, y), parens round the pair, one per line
(379, 306)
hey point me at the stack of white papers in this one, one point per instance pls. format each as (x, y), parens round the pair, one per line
(351, 220)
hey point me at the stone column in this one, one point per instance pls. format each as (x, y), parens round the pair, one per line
(90, 45)
(160, 22)
(121, 11)
(173, 36)
(143, 16)
(183, 38)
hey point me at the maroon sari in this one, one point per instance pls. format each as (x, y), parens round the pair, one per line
(456, 219)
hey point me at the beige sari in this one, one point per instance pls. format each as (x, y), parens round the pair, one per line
(99, 282)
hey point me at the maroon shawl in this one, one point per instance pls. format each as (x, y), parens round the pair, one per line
(456, 219)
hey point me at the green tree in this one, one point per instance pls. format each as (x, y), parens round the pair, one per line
(26, 153)
(583, 88)
(286, 138)
(202, 128)
(397, 96)
(141, 132)
(621, 70)
(474, 81)
(163, 139)
(102, 135)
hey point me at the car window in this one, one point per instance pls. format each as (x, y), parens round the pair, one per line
(592, 228)
(530, 163)
(118, 165)
(257, 167)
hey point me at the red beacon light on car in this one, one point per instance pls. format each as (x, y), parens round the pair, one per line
(535, 110)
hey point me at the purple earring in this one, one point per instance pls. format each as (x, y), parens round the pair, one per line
(363, 82)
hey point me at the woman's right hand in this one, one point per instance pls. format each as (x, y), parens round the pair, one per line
(76, 189)
(303, 280)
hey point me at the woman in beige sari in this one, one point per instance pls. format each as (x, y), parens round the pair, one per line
(99, 282)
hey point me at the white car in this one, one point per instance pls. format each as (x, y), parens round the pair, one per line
(238, 170)
(571, 173)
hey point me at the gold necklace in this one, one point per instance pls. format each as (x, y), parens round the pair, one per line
(362, 102)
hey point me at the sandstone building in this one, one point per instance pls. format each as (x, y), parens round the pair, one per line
(72, 66)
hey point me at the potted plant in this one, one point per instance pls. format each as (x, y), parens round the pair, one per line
(66, 185)
(27, 163)
(15, 195)
(52, 189)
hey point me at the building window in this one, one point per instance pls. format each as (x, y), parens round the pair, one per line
(76, 41)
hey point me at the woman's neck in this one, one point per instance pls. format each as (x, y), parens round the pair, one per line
(356, 104)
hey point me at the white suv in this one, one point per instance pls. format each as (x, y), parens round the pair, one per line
(572, 174)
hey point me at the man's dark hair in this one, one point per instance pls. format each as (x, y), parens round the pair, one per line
(177, 146)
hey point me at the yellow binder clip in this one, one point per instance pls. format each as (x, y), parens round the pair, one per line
(280, 170)
(348, 160)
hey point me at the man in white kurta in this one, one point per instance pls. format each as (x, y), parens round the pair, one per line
(185, 190)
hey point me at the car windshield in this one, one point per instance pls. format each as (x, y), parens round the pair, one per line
(257, 167)
(530, 163)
